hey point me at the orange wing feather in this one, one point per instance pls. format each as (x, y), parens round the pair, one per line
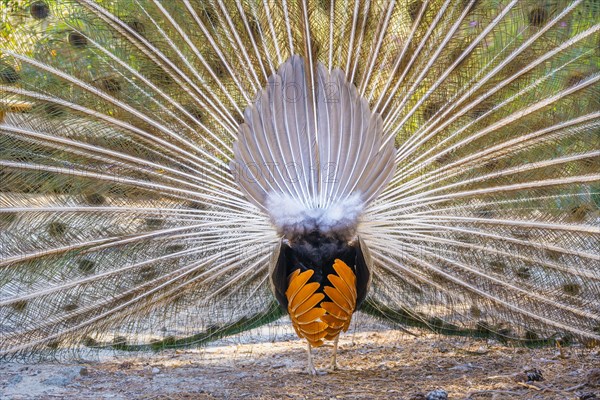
(315, 319)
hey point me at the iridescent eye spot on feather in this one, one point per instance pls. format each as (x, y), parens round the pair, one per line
(6, 219)
(324, 4)
(154, 223)
(254, 26)
(523, 273)
(430, 110)
(174, 248)
(19, 305)
(195, 112)
(218, 67)
(56, 229)
(77, 40)
(315, 47)
(8, 74)
(209, 17)
(414, 9)
(39, 10)
(54, 110)
(160, 77)
(70, 307)
(86, 266)
(110, 85)
(119, 343)
(89, 341)
(147, 273)
(497, 266)
(572, 289)
(95, 199)
(137, 26)
(538, 16)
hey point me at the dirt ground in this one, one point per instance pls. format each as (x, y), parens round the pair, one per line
(376, 364)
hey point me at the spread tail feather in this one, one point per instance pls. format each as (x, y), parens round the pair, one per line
(306, 175)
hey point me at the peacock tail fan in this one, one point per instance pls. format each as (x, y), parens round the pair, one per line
(122, 224)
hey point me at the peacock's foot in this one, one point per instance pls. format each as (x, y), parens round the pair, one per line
(315, 372)
(311, 370)
(311, 366)
(334, 366)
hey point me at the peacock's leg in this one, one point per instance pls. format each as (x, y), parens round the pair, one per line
(311, 367)
(334, 366)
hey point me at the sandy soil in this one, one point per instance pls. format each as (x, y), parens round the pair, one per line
(382, 364)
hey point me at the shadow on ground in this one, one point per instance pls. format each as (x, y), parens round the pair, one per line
(376, 364)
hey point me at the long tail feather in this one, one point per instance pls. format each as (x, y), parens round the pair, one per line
(469, 128)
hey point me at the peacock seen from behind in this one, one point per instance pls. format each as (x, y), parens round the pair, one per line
(175, 172)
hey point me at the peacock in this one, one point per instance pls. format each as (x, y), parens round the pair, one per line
(173, 172)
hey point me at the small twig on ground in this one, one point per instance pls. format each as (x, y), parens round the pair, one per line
(572, 388)
(510, 392)
(500, 376)
(529, 386)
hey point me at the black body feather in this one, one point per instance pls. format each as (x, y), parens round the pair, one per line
(318, 252)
